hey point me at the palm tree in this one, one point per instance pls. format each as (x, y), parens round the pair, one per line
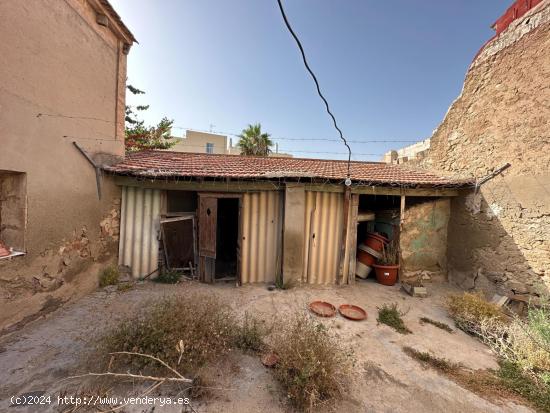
(253, 142)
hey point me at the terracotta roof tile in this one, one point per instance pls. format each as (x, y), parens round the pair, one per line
(165, 164)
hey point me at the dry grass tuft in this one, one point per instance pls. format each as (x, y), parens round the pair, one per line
(109, 276)
(484, 383)
(428, 359)
(438, 324)
(391, 316)
(185, 333)
(470, 310)
(313, 367)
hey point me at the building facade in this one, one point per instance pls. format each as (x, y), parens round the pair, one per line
(201, 142)
(62, 94)
(262, 219)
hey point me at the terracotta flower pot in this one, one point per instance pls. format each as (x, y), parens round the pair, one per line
(386, 274)
(366, 257)
(376, 242)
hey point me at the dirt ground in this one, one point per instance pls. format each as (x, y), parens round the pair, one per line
(38, 356)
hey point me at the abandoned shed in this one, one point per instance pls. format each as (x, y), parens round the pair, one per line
(262, 219)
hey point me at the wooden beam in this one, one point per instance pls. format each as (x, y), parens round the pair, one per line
(343, 244)
(401, 220)
(325, 188)
(204, 186)
(250, 186)
(384, 190)
(352, 244)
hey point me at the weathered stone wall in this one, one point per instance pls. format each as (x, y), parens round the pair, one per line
(423, 237)
(499, 238)
(62, 80)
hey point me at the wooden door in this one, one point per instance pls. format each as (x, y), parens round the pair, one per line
(178, 237)
(208, 212)
(208, 219)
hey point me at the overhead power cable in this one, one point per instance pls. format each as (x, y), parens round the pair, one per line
(278, 138)
(289, 27)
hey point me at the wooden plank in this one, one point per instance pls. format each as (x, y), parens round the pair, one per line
(343, 243)
(401, 220)
(365, 215)
(352, 245)
(178, 239)
(208, 212)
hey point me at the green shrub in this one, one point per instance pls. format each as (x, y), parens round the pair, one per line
(525, 342)
(184, 332)
(313, 368)
(391, 316)
(168, 277)
(515, 379)
(250, 333)
(523, 345)
(109, 276)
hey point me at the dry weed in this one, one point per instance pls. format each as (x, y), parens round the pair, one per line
(313, 367)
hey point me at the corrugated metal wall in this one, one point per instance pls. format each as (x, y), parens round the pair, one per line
(261, 241)
(139, 228)
(323, 228)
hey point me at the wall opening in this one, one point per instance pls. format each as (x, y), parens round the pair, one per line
(181, 202)
(13, 212)
(377, 214)
(227, 233)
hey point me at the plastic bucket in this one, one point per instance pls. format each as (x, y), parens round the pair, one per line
(362, 270)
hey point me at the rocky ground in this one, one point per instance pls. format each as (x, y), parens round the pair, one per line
(40, 355)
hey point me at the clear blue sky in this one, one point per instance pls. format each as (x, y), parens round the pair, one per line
(390, 69)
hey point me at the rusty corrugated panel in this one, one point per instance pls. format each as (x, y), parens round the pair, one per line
(261, 243)
(323, 228)
(139, 246)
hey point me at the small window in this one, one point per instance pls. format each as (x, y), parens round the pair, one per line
(13, 213)
(209, 148)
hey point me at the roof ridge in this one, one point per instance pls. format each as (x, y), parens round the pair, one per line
(258, 156)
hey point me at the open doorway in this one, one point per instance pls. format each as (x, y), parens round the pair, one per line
(227, 233)
(378, 222)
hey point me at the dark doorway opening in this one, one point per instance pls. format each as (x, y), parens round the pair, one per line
(380, 215)
(227, 233)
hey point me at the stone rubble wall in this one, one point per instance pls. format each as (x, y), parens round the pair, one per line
(67, 271)
(423, 238)
(499, 237)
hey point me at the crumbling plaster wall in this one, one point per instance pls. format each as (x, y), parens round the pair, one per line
(62, 81)
(499, 237)
(423, 237)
